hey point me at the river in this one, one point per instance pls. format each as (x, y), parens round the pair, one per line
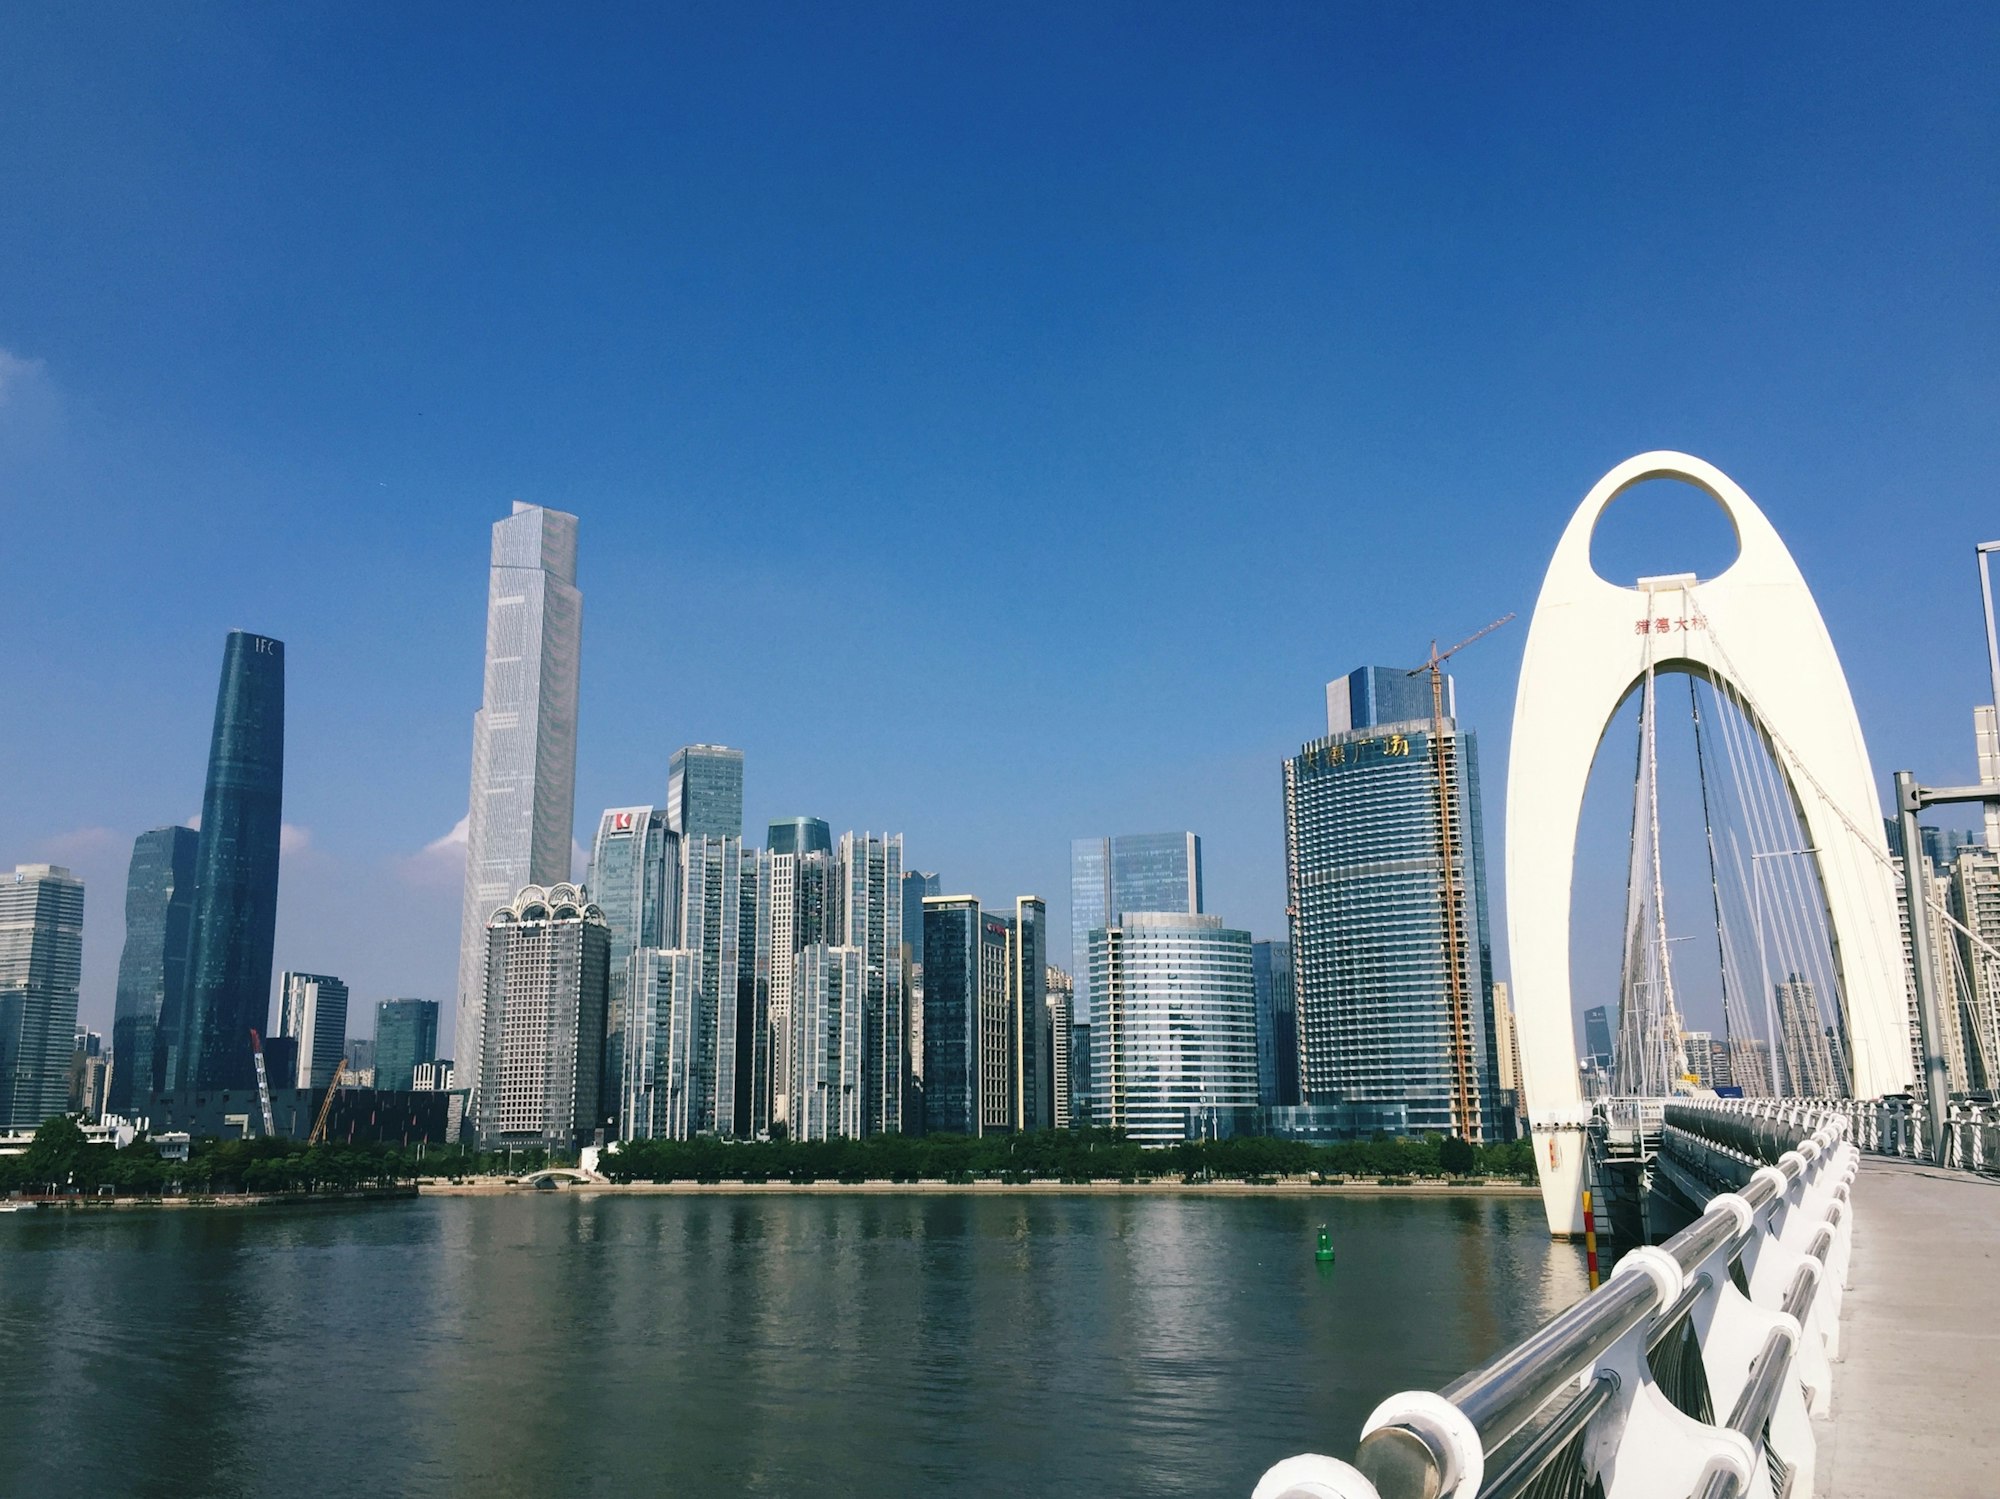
(558, 1344)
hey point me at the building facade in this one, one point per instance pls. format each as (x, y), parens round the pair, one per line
(521, 814)
(799, 835)
(406, 1037)
(656, 1082)
(1175, 1038)
(829, 1043)
(869, 916)
(234, 923)
(312, 1011)
(969, 1043)
(712, 929)
(1804, 1058)
(1061, 1063)
(41, 966)
(1277, 1025)
(1028, 1017)
(705, 792)
(634, 879)
(547, 975)
(152, 968)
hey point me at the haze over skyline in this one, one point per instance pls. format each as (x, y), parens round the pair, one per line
(1000, 426)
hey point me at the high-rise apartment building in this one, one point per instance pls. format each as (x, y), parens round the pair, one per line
(797, 915)
(1707, 1058)
(152, 968)
(657, 1079)
(634, 879)
(522, 811)
(969, 1043)
(1975, 895)
(1175, 1039)
(711, 929)
(41, 965)
(917, 884)
(1804, 1059)
(1394, 981)
(406, 1037)
(800, 835)
(1277, 1024)
(828, 1043)
(547, 972)
(753, 996)
(869, 915)
(1952, 996)
(235, 917)
(705, 792)
(312, 1010)
(1061, 1065)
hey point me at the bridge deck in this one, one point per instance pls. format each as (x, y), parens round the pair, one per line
(1914, 1403)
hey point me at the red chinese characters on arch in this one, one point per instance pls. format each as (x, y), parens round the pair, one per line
(1665, 626)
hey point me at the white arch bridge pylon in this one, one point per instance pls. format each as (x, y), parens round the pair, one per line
(1756, 631)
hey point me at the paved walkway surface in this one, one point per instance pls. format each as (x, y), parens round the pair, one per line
(1916, 1394)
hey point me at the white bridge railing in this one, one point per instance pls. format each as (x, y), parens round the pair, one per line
(1692, 1373)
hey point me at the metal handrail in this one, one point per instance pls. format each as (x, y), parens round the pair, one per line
(1533, 1459)
(1753, 1408)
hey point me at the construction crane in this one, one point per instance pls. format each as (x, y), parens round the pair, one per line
(318, 1136)
(1454, 929)
(263, 1083)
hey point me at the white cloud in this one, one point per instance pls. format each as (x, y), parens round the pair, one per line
(31, 406)
(293, 839)
(438, 864)
(81, 845)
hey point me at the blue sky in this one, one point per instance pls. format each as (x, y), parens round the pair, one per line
(999, 421)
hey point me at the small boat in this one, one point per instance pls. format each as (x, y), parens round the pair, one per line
(18, 1207)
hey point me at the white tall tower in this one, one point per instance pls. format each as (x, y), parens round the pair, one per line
(522, 812)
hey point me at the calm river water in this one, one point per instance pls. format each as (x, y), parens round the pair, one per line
(556, 1345)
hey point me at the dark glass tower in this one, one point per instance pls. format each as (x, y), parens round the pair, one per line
(236, 869)
(159, 900)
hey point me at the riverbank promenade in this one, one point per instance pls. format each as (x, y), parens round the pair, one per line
(1914, 1391)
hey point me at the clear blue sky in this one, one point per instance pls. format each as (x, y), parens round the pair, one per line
(999, 421)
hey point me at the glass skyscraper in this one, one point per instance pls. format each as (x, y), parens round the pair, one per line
(634, 880)
(234, 923)
(799, 835)
(1175, 1039)
(1366, 892)
(406, 1037)
(870, 916)
(1028, 1020)
(312, 1010)
(656, 1083)
(522, 810)
(711, 928)
(1277, 1025)
(41, 965)
(705, 792)
(968, 1052)
(152, 969)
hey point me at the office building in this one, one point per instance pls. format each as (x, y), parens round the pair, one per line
(89, 1076)
(754, 1042)
(1597, 1047)
(657, 1094)
(969, 1050)
(312, 1011)
(432, 1077)
(799, 835)
(634, 879)
(547, 973)
(1393, 975)
(1175, 1035)
(234, 923)
(521, 813)
(360, 1063)
(406, 1037)
(829, 1043)
(869, 915)
(711, 929)
(705, 792)
(1805, 1062)
(152, 968)
(1277, 1025)
(1027, 985)
(41, 964)
(1061, 1064)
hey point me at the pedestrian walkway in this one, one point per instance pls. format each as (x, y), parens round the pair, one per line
(1916, 1395)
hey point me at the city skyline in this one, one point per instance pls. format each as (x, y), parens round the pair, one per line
(1296, 390)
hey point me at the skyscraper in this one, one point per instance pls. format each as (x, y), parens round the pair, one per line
(152, 969)
(797, 915)
(870, 916)
(1597, 1035)
(705, 792)
(312, 1010)
(1805, 1060)
(406, 1037)
(522, 810)
(1028, 1018)
(711, 928)
(656, 1092)
(800, 835)
(1061, 1064)
(1277, 1024)
(41, 964)
(1175, 1038)
(969, 1086)
(1373, 943)
(547, 969)
(236, 870)
(1110, 876)
(634, 879)
(828, 1042)
(753, 996)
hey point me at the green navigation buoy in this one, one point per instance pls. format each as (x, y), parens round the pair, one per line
(1324, 1254)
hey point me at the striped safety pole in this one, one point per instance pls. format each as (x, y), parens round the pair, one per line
(1589, 1238)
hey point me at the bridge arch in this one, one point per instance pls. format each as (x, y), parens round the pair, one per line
(1755, 629)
